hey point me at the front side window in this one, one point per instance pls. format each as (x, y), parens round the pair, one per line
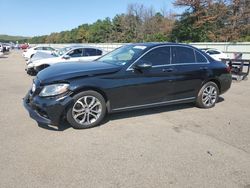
(182, 55)
(158, 56)
(75, 53)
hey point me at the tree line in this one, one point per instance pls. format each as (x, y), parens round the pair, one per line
(201, 21)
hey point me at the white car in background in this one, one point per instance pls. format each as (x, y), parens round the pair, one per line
(1, 50)
(67, 54)
(214, 53)
(4, 49)
(29, 53)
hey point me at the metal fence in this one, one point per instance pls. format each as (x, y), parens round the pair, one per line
(226, 47)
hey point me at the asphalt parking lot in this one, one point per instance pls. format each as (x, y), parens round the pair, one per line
(174, 146)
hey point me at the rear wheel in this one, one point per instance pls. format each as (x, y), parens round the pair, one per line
(88, 110)
(208, 95)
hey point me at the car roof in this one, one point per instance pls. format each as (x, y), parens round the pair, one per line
(38, 46)
(154, 44)
(82, 46)
(209, 49)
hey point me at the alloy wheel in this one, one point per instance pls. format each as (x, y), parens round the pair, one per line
(87, 110)
(209, 96)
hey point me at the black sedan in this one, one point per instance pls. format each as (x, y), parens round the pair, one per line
(131, 77)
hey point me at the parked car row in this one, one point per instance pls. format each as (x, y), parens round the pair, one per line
(1, 50)
(4, 48)
(41, 57)
(214, 53)
(23, 46)
(30, 52)
(131, 77)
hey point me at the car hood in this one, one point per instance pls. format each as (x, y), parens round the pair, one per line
(41, 55)
(66, 71)
(43, 61)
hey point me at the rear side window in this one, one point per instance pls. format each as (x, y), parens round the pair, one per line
(212, 52)
(92, 52)
(47, 48)
(38, 48)
(158, 56)
(200, 58)
(98, 52)
(182, 55)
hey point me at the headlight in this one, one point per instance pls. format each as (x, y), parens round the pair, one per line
(33, 88)
(30, 65)
(29, 62)
(52, 90)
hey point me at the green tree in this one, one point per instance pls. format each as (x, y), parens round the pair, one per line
(100, 31)
(82, 33)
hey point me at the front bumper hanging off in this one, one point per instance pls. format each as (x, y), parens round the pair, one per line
(47, 110)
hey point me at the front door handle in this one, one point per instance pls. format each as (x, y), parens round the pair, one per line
(168, 70)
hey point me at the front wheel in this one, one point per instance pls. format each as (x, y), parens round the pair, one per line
(88, 110)
(208, 95)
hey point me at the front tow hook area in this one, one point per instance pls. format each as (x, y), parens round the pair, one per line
(33, 113)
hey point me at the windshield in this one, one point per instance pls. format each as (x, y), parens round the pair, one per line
(123, 55)
(61, 51)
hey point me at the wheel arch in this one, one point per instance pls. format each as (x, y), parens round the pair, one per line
(216, 81)
(98, 90)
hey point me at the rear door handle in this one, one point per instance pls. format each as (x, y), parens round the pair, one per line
(168, 70)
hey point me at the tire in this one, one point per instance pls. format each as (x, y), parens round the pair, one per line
(208, 95)
(87, 111)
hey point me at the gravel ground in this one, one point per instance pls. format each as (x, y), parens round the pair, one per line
(174, 146)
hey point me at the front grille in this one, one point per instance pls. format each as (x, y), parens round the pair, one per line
(42, 112)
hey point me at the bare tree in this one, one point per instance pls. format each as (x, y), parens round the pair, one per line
(221, 20)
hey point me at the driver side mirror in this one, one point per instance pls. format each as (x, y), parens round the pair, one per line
(66, 57)
(142, 65)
